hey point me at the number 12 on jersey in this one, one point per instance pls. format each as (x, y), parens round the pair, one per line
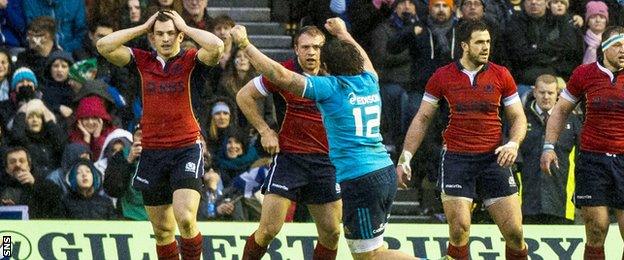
(371, 117)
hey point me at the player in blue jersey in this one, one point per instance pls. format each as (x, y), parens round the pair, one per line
(350, 105)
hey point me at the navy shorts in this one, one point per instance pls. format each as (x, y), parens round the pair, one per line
(304, 178)
(162, 171)
(366, 203)
(475, 176)
(599, 180)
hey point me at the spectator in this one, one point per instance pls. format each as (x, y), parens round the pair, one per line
(113, 101)
(560, 8)
(235, 156)
(393, 71)
(220, 27)
(93, 124)
(540, 43)
(616, 10)
(83, 200)
(597, 16)
(6, 106)
(133, 14)
(428, 42)
(12, 24)
(105, 71)
(36, 129)
(196, 15)
(222, 118)
(21, 185)
(69, 16)
(155, 5)
(72, 153)
(118, 182)
(40, 38)
(544, 196)
(57, 93)
(238, 72)
(104, 10)
(24, 87)
(500, 11)
(117, 141)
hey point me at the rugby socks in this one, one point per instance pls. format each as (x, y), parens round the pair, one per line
(168, 251)
(594, 253)
(513, 254)
(458, 252)
(253, 251)
(191, 247)
(321, 253)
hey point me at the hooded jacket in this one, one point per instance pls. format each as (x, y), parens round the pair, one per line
(92, 106)
(13, 25)
(116, 135)
(57, 93)
(78, 206)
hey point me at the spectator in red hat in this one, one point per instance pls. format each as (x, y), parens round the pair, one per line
(93, 124)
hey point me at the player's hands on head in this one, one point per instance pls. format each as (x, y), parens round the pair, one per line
(150, 22)
(336, 26)
(270, 141)
(548, 158)
(178, 21)
(404, 170)
(507, 154)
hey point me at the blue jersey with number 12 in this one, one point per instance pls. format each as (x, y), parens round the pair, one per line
(351, 110)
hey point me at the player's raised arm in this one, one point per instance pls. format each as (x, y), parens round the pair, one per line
(111, 46)
(270, 69)
(337, 27)
(211, 46)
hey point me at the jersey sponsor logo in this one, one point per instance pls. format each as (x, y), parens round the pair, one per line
(607, 104)
(512, 182)
(363, 100)
(141, 180)
(164, 87)
(190, 167)
(279, 186)
(453, 186)
(474, 106)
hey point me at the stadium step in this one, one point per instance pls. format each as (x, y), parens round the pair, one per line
(271, 41)
(278, 54)
(238, 3)
(242, 14)
(263, 28)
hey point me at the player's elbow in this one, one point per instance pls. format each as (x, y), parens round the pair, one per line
(102, 47)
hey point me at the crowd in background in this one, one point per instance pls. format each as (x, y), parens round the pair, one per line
(69, 120)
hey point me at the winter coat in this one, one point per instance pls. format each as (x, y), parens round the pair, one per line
(57, 93)
(118, 184)
(543, 193)
(45, 148)
(70, 19)
(42, 198)
(392, 68)
(77, 206)
(536, 46)
(92, 106)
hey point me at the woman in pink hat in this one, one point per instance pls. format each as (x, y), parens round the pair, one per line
(597, 18)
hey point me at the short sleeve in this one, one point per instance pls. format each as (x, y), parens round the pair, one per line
(263, 85)
(574, 89)
(509, 89)
(134, 53)
(319, 87)
(433, 90)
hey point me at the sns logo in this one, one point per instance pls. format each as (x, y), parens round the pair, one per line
(15, 245)
(6, 246)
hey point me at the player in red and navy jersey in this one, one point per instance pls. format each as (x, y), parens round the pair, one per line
(475, 164)
(301, 170)
(600, 166)
(171, 165)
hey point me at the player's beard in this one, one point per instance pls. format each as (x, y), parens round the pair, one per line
(475, 58)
